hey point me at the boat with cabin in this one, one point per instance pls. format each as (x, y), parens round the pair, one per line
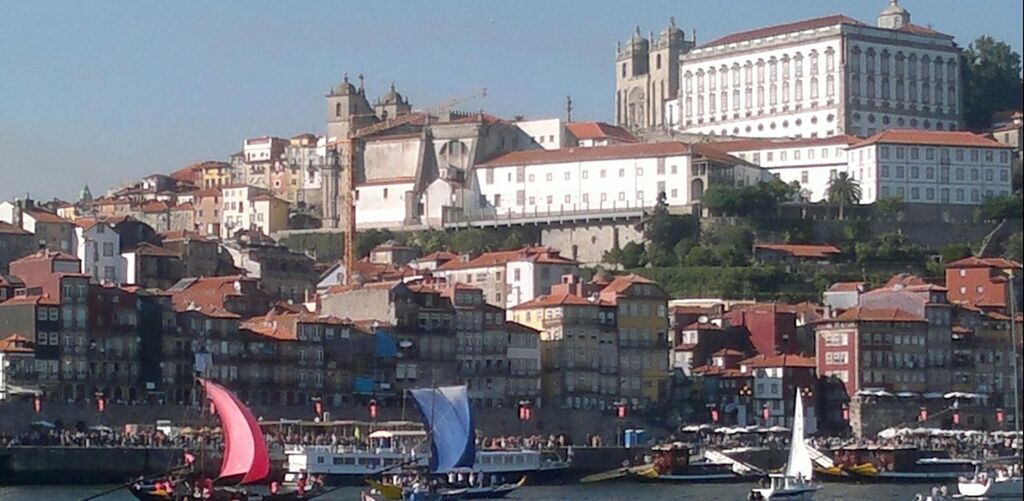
(672, 463)
(906, 464)
(796, 482)
(450, 472)
(350, 464)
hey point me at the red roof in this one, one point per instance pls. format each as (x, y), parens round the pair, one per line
(985, 262)
(620, 284)
(704, 326)
(43, 216)
(780, 361)
(10, 229)
(930, 138)
(611, 152)
(16, 343)
(847, 287)
(725, 352)
(781, 29)
(154, 206)
(862, 314)
(37, 299)
(148, 249)
(599, 130)
(478, 117)
(803, 250)
(548, 300)
(438, 256)
(535, 254)
(781, 143)
(206, 293)
(917, 29)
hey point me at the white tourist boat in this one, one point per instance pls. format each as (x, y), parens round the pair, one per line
(796, 481)
(389, 449)
(986, 485)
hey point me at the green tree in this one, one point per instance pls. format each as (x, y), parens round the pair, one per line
(633, 255)
(954, 251)
(1002, 207)
(843, 190)
(888, 207)
(992, 80)
(1015, 247)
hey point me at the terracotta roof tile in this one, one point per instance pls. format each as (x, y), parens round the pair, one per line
(726, 352)
(984, 262)
(43, 216)
(10, 229)
(36, 299)
(549, 300)
(780, 361)
(862, 314)
(847, 287)
(599, 130)
(778, 144)
(16, 343)
(488, 259)
(704, 326)
(930, 138)
(803, 250)
(148, 249)
(781, 29)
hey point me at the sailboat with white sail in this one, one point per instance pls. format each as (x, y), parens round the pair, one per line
(797, 480)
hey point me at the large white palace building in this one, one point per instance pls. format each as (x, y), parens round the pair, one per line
(821, 77)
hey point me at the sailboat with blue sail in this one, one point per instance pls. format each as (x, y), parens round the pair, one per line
(448, 419)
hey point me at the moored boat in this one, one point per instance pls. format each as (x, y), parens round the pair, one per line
(245, 461)
(671, 463)
(796, 481)
(999, 484)
(901, 464)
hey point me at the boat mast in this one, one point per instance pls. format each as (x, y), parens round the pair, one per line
(1013, 347)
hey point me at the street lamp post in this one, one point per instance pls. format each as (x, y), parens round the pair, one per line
(318, 406)
(525, 413)
(620, 414)
(746, 394)
(101, 405)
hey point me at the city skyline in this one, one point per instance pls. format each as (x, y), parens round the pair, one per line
(83, 111)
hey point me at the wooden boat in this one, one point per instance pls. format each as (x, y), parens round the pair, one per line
(448, 420)
(245, 461)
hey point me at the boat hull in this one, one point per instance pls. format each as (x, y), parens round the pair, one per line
(712, 478)
(1007, 489)
(795, 494)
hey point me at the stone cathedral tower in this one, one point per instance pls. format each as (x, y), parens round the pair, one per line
(647, 76)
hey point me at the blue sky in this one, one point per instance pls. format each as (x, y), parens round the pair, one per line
(102, 92)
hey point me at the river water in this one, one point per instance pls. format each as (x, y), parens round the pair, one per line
(613, 491)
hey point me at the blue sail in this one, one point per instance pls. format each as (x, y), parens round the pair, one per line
(447, 417)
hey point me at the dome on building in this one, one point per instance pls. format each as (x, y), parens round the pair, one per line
(671, 29)
(344, 88)
(637, 41)
(894, 8)
(392, 97)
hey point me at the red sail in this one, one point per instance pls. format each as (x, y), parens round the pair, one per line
(245, 451)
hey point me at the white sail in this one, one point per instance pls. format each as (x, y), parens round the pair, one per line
(799, 464)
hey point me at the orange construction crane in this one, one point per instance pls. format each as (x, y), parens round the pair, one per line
(349, 179)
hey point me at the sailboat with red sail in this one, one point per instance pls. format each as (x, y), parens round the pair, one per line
(245, 461)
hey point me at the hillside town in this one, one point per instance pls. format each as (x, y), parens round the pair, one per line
(800, 208)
